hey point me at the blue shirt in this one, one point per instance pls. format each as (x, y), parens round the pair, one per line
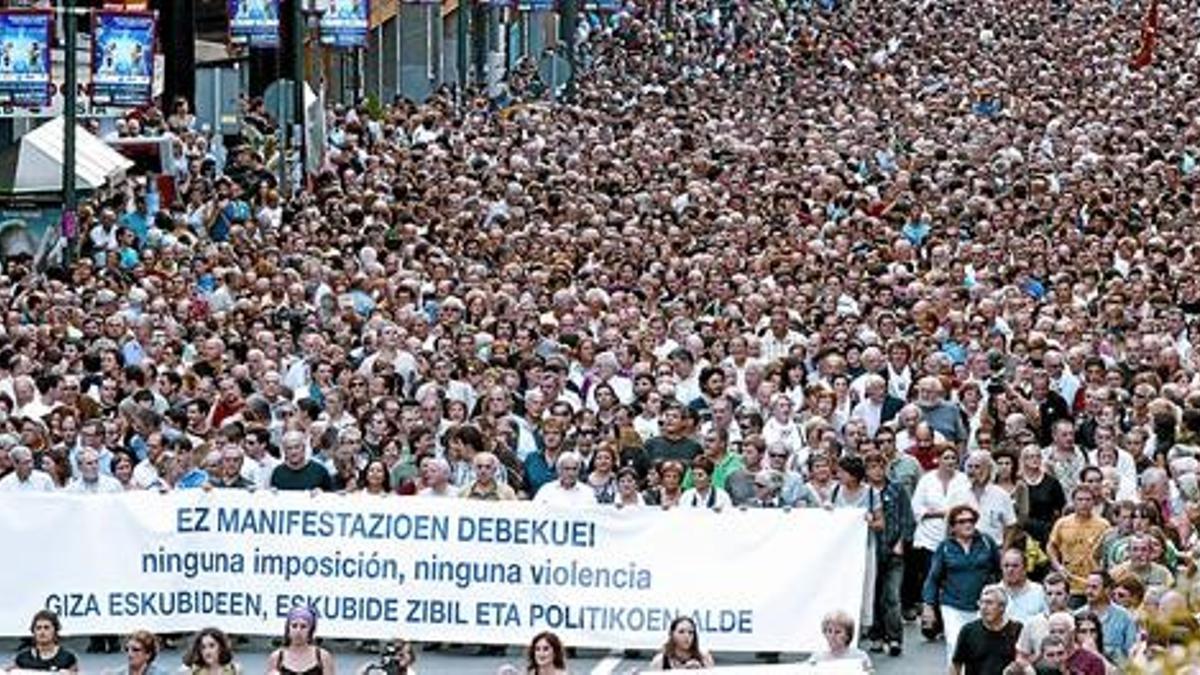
(538, 472)
(1120, 631)
(192, 479)
(138, 222)
(957, 576)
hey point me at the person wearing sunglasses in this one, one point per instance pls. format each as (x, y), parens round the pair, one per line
(141, 650)
(961, 566)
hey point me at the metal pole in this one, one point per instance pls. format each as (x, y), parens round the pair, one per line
(570, 30)
(479, 40)
(298, 92)
(462, 25)
(429, 42)
(69, 95)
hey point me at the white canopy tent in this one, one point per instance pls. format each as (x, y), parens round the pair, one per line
(37, 168)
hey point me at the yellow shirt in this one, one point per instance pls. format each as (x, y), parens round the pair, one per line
(1076, 539)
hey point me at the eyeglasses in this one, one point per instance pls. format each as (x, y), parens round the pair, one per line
(964, 521)
(780, 455)
(134, 648)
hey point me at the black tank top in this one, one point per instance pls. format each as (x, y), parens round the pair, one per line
(317, 669)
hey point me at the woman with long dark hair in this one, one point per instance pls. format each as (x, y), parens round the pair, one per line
(547, 656)
(682, 650)
(210, 654)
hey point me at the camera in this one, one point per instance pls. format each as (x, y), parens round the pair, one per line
(998, 381)
(394, 659)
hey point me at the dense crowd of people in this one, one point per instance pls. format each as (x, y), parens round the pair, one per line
(932, 259)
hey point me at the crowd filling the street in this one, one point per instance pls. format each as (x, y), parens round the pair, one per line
(936, 260)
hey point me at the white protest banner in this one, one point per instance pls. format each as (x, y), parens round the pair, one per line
(428, 569)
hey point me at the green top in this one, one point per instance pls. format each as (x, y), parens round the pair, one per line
(729, 464)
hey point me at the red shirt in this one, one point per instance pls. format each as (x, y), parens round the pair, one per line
(1083, 662)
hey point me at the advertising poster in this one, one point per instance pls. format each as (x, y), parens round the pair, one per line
(345, 23)
(123, 58)
(536, 5)
(254, 23)
(25, 58)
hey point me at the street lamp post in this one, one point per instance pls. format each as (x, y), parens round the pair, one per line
(570, 31)
(69, 96)
(298, 111)
(463, 25)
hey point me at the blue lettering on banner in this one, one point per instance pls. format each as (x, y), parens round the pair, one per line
(376, 526)
(636, 619)
(504, 614)
(527, 531)
(324, 524)
(192, 563)
(439, 612)
(73, 604)
(192, 519)
(552, 574)
(156, 603)
(345, 608)
(463, 573)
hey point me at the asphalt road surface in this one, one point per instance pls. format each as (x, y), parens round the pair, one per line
(920, 657)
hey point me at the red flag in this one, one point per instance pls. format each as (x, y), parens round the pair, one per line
(1149, 33)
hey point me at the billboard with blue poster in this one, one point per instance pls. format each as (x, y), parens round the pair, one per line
(123, 58)
(345, 23)
(25, 58)
(254, 23)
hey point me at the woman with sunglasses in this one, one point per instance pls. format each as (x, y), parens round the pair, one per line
(965, 562)
(141, 649)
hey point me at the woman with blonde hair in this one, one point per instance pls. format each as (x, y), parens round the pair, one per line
(838, 629)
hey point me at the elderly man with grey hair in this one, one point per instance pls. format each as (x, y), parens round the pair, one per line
(997, 514)
(567, 491)
(7, 443)
(1061, 625)
(876, 407)
(90, 480)
(989, 643)
(435, 473)
(942, 415)
(25, 478)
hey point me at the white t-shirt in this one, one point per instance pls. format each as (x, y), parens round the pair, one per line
(929, 497)
(719, 499)
(995, 508)
(1025, 604)
(555, 494)
(38, 481)
(102, 485)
